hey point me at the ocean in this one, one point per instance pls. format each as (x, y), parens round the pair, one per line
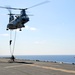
(54, 58)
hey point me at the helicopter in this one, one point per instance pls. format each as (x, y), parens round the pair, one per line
(18, 21)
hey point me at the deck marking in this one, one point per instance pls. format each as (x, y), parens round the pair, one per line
(14, 66)
(53, 68)
(44, 67)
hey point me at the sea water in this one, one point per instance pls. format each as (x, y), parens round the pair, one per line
(54, 58)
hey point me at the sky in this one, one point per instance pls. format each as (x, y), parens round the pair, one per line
(50, 31)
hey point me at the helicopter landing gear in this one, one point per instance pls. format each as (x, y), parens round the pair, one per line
(7, 29)
(20, 29)
(23, 26)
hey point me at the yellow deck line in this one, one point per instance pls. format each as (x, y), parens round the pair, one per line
(53, 68)
(44, 67)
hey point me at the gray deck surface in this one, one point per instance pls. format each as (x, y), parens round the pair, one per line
(24, 67)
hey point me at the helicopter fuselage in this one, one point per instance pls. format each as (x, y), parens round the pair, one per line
(18, 22)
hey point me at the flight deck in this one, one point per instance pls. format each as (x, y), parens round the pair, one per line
(32, 67)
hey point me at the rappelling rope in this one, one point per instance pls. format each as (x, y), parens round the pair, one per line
(14, 42)
(10, 42)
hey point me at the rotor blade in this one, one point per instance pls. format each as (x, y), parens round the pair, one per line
(25, 8)
(2, 7)
(14, 8)
(13, 14)
(19, 14)
(10, 8)
(37, 4)
(30, 15)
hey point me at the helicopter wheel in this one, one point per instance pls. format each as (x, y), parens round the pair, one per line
(20, 29)
(7, 29)
(23, 26)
